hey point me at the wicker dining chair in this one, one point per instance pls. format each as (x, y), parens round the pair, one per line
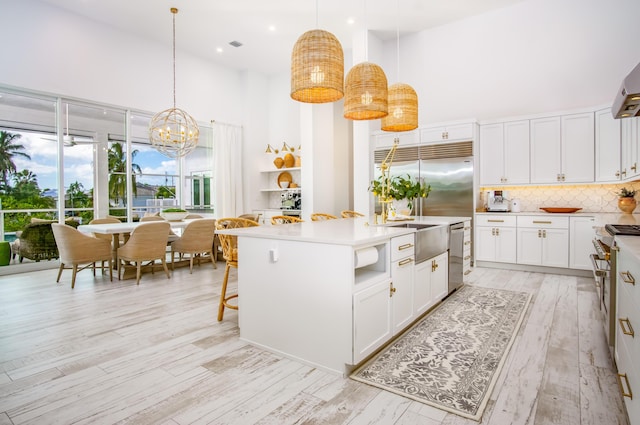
(79, 250)
(350, 214)
(148, 242)
(285, 219)
(322, 216)
(196, 241)
(172, 236)
(229, 245)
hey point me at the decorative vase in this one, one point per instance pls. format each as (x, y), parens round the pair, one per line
(278, 162)
(627, 205)
(399, 208)
(289, 161)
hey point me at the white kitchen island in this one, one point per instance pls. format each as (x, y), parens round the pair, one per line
(302, 296)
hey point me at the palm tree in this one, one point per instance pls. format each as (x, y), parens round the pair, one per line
(9, 149)
(118, 172)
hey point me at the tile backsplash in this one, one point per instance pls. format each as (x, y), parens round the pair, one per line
(596, 198)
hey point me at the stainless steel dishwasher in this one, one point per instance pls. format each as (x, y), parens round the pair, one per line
(456, 249)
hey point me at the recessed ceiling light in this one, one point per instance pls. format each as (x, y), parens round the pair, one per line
(351, 21)
(272, 28)
(219, 49)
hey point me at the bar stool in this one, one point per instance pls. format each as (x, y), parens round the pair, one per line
(229, 244)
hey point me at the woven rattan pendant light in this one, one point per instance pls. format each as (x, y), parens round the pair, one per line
(317, 67)
(173, 131)
(403, 99)
(365, 89)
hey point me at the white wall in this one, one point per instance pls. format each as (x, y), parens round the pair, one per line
(50, 50)
(537, 56)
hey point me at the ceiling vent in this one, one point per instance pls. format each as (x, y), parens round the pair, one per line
(235, 43)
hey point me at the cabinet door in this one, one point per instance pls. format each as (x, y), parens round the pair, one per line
(516, 152)
(402, 273)
(492, 154)
(629, 139)
(545, 150)
(404, 139)
(577, 148)
(608, 145)
(433, 134)
(439, 277)
(422, 288)
(459, 132)
(506, 245)
(485, 244)
(581, 233)
(371, 319)
(529, 246)
(555, 248)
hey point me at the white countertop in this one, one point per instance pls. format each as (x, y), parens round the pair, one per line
(600, 218)
(342, 231)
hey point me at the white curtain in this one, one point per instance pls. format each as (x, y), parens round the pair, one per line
(227, 154)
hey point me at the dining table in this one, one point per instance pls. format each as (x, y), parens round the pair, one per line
(125, 229)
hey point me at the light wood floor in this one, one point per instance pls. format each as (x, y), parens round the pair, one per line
(154, 354)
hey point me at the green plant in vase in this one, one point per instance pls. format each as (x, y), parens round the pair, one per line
(626, 200)
(399, 188)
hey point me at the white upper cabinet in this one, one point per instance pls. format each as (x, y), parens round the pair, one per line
(562, 149)
(607, 147)
(447, 133)
(577, 148)
(405, 138)
(629, 140)
(545, 150)
(504, 153)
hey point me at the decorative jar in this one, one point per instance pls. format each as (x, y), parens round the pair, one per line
(627, 204)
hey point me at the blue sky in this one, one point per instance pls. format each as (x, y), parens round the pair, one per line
(78, 162)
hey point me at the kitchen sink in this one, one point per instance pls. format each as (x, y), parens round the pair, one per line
(430, 239)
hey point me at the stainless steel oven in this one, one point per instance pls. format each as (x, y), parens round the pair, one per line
(604, 272)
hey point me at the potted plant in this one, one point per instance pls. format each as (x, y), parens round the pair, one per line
(626, 200)
(395, 189)
(173, 214)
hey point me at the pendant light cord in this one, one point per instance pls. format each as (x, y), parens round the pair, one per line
(398, 38)
(366, 34)
(317, 14)
(174, 11)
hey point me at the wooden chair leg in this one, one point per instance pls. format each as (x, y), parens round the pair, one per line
(166, 270)
(111, 270)
(60, 272)
(73, 276)
(138, 272)
(191, 264)
(223, 292)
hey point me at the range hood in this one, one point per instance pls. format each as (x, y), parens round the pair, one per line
(627, 101)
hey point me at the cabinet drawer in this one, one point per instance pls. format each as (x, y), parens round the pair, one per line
(402, 246)
(496, 220)
(628, 381)
(543, 222)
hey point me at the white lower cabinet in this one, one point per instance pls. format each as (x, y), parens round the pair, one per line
(543, 241)
(581, 234)
(401, 293)
(431, 283)
(495, 238)
(371, 318)
(627, 345)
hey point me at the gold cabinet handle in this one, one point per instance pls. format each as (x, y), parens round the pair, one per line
(626, 380)
(629, 328)
(493, 231)
(468, 257)
(541, 222)
(544, 233)
(539, 233)
(633, 167)
(627, 278)
(391, 289)
(469, 242)
(617, 173)
(405, 246)
(467, 228)
(405, 261)
(624, 172)
(495, 221)
(467, 272)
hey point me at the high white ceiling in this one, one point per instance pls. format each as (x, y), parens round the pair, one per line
(202, 26)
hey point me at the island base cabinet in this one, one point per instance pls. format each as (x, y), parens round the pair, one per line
(295, 307)
(431, 283)
(627, 343)
(372, 319)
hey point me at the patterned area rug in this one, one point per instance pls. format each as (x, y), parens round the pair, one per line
(452, 358)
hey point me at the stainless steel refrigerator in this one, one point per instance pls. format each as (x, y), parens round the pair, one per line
(447, 167)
